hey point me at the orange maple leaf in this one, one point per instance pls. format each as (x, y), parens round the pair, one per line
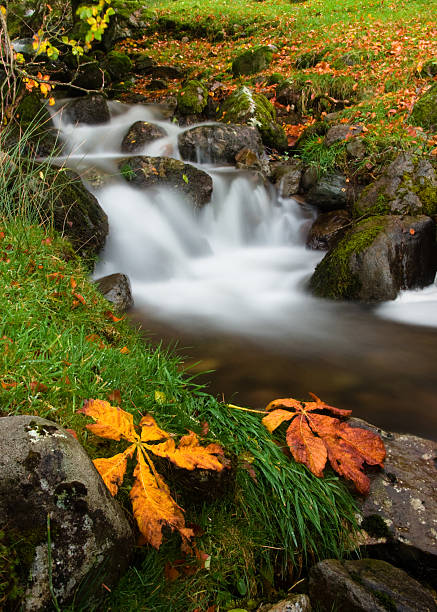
(313, 438)
(152, 504)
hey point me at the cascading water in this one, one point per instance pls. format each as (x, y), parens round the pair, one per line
(239, 267)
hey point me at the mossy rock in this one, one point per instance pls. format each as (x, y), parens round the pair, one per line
(429, 69)
(32, 112)
(376, 259)
(244, 106)
(275, 79)
(310, 59)
(118, 65)
(193, 98)
(252, 61)
(425, 110)
(408, 186)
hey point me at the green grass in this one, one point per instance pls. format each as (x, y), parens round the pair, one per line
(57, 350)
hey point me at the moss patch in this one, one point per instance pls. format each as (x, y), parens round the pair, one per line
(333, 277)
(192, 98)
(252, 61)
(425, 110)
(118, 65)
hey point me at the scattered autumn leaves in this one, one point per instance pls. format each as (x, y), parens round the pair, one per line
(152, 504)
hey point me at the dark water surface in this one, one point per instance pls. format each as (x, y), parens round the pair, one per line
(385, 372)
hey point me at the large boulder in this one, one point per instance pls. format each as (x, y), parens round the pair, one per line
(399, 516)
(166, 171)
(330, 192)
(47, 479)
(252, 61)
(327, 229)
(76, 213)
(117, 290)
(367, 585)
(88, 75)
(407, 187)
(91, 110)
(140, 134)
(424, 113)
(377, 258)
(119, 65)
(192, 98)
(244, 106)
(218, 143)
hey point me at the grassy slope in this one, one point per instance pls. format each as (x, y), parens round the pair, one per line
(390, 41)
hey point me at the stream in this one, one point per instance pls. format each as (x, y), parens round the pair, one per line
(227, 286)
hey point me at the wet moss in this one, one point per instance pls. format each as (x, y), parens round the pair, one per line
(333, 277)
(386, 601)
(118, 65)
(193, 98)
(375, 526)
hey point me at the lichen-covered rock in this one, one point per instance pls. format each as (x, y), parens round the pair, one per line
(252, 61)
(76, 213)
(377, 258)
(92, 110)
(295, 603)
(193, 98)
(327, 229)
(117, 290)
(140, 134)
(340, 132)
(185, 179)
(44, 472)
(287, 176)
(329, 192)
(407, 187)
(244, 106)
(399, 516)
(119, 65)
(218, 143)
(424, 113)
(367, 585)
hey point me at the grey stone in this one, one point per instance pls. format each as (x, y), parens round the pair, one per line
(287, 177)
(340, 132)
(92, 110)
(295, 603)
(218, 143)
(140, 134)
(117, 290)
(327, 229)
(399, 517)
(407, 187)
(356, 148)
(329, 193)
(44, 472)
(183, 178)
(367, 585)
(377, 258)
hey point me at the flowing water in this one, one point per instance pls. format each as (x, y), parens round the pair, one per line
(228, 283)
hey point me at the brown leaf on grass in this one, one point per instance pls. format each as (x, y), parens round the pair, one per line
(114, 396)
(152, 504)
(37, 387)
(313, 438)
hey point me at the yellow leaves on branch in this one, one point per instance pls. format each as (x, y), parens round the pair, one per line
(314, 437)
(152, 504)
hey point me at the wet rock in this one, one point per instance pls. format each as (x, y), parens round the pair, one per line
(247, 159)
(89, 75)
(117, 290)
(344, 131)
(192, 98)
(143, 62)
(92, 110)
(309, 178)
(356, 148)
(252, 61)
(45, 472)
(399, 517)
(173, 173)
(218, 143)
(407, 187)
(377, 258)
(287, 177)
(367, 585)
(329, 193)
(327, 229)
(140, 134)
(424, 113)
(245, 106)
(295, 603)
(77, 213)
